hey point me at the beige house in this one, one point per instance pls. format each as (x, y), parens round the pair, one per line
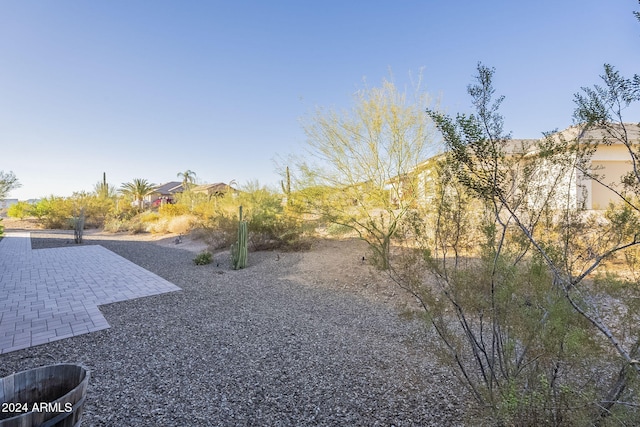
(610, 162)
(215, 190)
(164, 193)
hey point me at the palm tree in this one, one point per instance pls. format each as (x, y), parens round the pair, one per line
(138, 189)
(230, 184)
(188, 178)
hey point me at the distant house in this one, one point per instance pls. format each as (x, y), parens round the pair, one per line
(610, 162)
(219, 189)
(164, 193)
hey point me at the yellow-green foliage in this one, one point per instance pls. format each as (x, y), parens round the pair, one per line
(270, 223)
(219, 230)
(363, 159)
(148, 217)
(53, 212)
(96, 208)
(169, 210)
(56, 212)
(20, 210)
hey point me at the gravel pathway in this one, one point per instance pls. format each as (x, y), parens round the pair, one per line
(250, 347)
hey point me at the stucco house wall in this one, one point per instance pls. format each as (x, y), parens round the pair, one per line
(610, 163)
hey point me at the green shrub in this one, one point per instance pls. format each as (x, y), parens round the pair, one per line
(19, 210)
(116, 224)
(271, 224)
(203, 258)
(53, 212)
(96, 209)
(113, 225)
(220, 231)
(208, 208)
(136, 226)
(56, 212)
(339, 230)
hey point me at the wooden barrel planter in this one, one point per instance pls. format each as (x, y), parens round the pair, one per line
(47, 396)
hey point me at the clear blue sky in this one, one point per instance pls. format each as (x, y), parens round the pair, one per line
(146, 89)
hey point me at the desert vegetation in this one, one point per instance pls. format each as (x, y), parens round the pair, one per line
(272, 223)
(8, 181)
(517, 277)
(534, 297)
(356, 176)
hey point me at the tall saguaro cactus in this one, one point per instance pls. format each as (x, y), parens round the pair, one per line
(239, 248)
(286, 186)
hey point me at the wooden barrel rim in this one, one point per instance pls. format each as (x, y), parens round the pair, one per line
(76, 396)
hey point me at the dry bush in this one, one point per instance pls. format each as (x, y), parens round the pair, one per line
(219, 232)
(181, 224)
(159, 227)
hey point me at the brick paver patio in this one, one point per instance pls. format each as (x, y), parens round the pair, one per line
(52, 294)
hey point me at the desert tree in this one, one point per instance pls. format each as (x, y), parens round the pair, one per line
(601, 109)
(8, 182)
(137, 189)
(525, 319)
(357, 172)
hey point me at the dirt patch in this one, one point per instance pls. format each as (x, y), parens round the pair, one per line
(182, 242)
(20, 224)
(342, 264)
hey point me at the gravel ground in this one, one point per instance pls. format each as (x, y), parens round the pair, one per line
(264, 346)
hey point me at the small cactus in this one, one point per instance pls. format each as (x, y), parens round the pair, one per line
(78, 226)
(239, 248)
